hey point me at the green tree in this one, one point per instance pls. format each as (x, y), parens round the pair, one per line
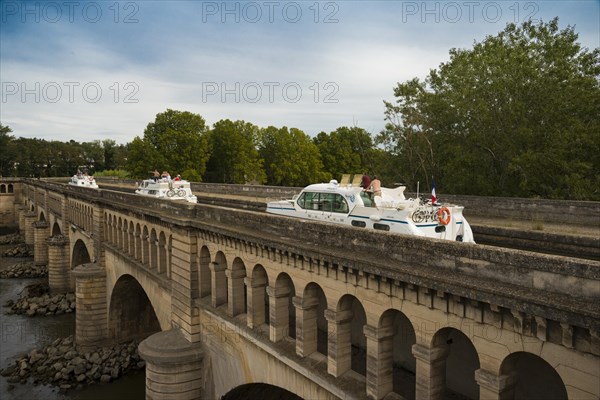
(234, 157)
(290, 157)
(346, 150)
(8, 153)
(176, 141)
(516, 115)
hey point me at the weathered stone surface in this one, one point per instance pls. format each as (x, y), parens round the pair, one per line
(70, 368)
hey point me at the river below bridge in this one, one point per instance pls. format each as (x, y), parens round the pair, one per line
(21, 334)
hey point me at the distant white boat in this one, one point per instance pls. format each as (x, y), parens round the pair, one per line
(166, 189)
(350, 205)
(83, 181)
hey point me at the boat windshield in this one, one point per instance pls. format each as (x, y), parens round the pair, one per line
(366, 199)
(328, 202)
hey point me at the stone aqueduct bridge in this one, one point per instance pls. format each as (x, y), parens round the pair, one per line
(228, 298)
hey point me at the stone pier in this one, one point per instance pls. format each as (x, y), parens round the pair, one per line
(40, 234)
(58, 264)
(173, 367)
(91, 327)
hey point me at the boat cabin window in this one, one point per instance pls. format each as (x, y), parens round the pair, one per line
(366, 199)
(328, 202)
(381, 227)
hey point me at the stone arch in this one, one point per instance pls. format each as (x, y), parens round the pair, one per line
(259, 391)
(42, 216)
(138, 243)
(400, 361)
(237, 303)
(258, 301)
(32, 208)
(56, 229)
(162, 253)
(313, 321)
(131, 239)
(153, 249)
(354, 333)
(282, 321)
(461, 362)
(10, 188)
(219, 280)
(2, 188)
(533, 377)
(204, 284)
(119, 233)
(131, 314)
(125, 236)
(80, 254)
(145, 247)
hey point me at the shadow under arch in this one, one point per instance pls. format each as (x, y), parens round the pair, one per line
(56, 229)
(461, 363)
(262, 391)
(131, 315)
(402, 362)
(534, 377)
(80, 254)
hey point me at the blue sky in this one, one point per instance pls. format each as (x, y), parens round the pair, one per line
(95, 70)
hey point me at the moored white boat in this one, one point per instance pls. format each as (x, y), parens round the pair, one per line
(350, 205)
(82, 180)
(166, 189)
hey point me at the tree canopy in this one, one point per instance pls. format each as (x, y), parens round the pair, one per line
(290, 157)
(234, 157)
(516, 115)
(176, 141)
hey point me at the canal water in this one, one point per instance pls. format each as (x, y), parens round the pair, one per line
(20, 334)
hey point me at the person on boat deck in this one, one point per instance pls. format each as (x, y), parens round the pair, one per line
(166, 176)
(376, 186)
(178, 177)
(155, 175)
(365, 182)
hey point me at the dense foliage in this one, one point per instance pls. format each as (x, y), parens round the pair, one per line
(516, 115)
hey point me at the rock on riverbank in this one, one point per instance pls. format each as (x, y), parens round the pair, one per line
(38, 301)
(21, 250)
(25, 269)
(12, 238)
(65, 365)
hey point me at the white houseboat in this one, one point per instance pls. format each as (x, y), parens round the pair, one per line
(166, 189)
(350, 205)
(83, 180)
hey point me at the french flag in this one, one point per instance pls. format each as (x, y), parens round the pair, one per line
(433, 198)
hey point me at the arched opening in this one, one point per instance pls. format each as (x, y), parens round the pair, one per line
(3, 188)
(145, 247)
(80, 254)
(461, 363)
(403, 362)
(131, 315)
(162, 253)
(204, 284)
(237, 289)
(131, 240)
(10, 188)
(261, 391)
(314, 325)
(219, 280)
(534, 377)
(282, 322)
(358, 342)
(153, 250)
(42, 217)
(125, 233)
(56, 229)
(258, 301)
(138, 243)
